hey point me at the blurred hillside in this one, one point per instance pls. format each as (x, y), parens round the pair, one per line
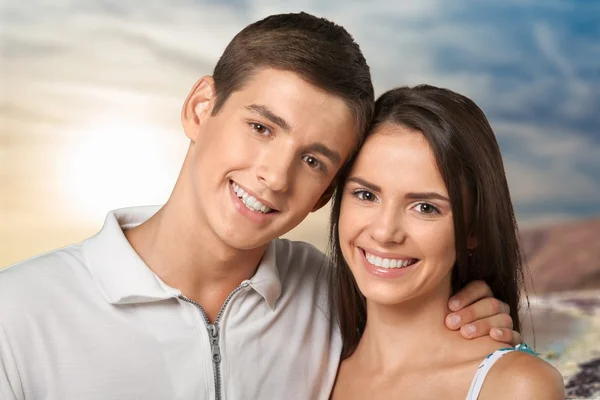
(563, 257)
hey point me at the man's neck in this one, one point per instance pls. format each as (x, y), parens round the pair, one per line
(186, 255)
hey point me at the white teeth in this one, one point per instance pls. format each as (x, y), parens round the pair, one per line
(249, 201)
(387, 262)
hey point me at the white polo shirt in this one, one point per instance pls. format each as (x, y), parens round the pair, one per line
(92, 321)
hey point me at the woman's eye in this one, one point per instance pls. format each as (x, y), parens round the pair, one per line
(364, 195)
(426, 208)
(260, 129)
(311, 161)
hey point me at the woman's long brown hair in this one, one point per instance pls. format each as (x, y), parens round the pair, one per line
(467, 155)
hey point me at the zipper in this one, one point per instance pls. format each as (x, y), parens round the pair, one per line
(213, 335)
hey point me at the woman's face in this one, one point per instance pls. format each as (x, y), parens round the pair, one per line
(396, 229)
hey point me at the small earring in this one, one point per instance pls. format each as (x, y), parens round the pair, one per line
(470, 253)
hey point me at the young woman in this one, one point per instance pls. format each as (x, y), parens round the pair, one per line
(425, 209)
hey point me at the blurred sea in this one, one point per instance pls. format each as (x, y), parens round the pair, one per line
(564, 328)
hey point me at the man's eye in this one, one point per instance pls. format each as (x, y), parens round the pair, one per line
(260, 129)
(311, 161)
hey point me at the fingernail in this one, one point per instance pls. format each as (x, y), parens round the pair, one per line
(498, 332)
(454, 320)
(454, 304)
(470, 329)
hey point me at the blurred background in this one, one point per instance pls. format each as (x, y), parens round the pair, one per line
(91, 90)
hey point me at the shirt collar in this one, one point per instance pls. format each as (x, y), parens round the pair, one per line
(266, 280)
(124, 278)
(121, 274)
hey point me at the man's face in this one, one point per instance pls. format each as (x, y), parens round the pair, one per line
(263, 162)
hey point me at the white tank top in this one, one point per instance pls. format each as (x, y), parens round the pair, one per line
(483, 370)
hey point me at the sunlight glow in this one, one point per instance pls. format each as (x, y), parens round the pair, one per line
(113, 163)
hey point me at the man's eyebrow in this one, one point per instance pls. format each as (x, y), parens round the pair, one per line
(320, 148)
(427, 196)
(365, 183)
(270, 115)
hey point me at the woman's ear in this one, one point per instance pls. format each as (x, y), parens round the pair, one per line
(198, 106)
(472, 242)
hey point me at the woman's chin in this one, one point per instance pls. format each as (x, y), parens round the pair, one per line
(389, 296)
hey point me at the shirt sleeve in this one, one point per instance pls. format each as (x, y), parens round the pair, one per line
(10, 381)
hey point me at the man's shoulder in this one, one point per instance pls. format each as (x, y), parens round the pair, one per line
(41, 263)
(298, 252)
(33, 279)
(304, 272)
(299, 257)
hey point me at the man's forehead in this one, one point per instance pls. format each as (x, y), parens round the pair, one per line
(299, 107)
(273, 86)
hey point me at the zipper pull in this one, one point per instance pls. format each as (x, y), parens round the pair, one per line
(214, 339)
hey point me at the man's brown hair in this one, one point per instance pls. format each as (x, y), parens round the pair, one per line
(319, 51)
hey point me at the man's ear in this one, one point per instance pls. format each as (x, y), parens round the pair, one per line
(325, 197)
(198, 106)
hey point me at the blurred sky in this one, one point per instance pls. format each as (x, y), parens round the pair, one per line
(91, 90)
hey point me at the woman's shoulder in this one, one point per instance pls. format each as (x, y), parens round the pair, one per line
(520, 375)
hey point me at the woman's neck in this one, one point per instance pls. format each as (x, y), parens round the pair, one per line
(409, 333)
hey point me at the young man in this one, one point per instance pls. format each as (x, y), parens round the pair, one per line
(199, 299)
